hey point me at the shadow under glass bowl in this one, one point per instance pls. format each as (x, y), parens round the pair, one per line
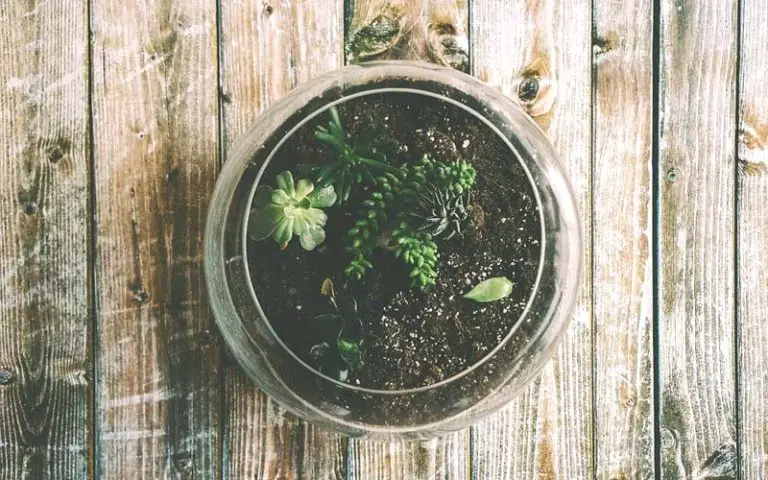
(454, 402)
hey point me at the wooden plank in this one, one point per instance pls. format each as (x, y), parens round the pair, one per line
(437, 32)
(539, 52)
(267, 48)
(44, 278)
(621, 226)
(156, 155)
(752, 224)
(696, 272)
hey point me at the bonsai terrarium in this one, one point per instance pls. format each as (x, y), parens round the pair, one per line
(392, 250)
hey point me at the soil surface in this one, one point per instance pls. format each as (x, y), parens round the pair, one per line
(415, 338)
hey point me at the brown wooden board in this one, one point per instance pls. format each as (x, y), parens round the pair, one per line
(752, 225)
(436, 32)
(267, 48)
(540, 53)
(44, 224)
(621, 226)
(696, 239)
(155, 116)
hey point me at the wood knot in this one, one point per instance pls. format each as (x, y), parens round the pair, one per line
(374, 39)
(672, 175)
(183, 462)
(6, 377)
(447, 47)
(535, 89)
(30, 209)
(268, 9)
(604, 44)
(141, 297)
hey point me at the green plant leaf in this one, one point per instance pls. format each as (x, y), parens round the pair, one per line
(285, 183)
(279, 197)
(490, 290)
(284, 232)
(313, 236)
(315, 216)
(349, 351)
(324, 197)
(264, 221)
(303, 188)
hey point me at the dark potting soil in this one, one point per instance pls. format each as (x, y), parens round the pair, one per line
(416, 338)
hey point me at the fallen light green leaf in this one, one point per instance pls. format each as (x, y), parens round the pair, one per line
(490, 290)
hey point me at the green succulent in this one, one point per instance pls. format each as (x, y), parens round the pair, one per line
(439, 211)
(406, 210)
(356, 160)
(340, 327)
(293, 208)
(419, 252)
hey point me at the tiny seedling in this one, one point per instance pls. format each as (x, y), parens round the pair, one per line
(341, 354)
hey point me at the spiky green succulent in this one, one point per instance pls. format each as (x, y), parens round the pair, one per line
(356, 161)
(440, 211)
(292, 208)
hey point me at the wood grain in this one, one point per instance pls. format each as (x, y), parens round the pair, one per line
(44, 275)
(156, 156)
(752, 224)
(267, 48)
(621, 229)
(539, 52)
(696, 324)
(430, 31)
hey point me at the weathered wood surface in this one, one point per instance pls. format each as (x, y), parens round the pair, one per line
(44, 225)
(696, 238)
(155, 129)
(752, 225)
(267, 48)
(539, 52)
(621, 232)
(437, 32)
(174, 83)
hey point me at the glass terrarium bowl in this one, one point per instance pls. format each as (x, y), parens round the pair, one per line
(414, 413)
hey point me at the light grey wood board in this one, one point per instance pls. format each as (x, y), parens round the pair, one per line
(155, 117)
(696, 238)
(267, 48)
(539, 52)
(752, 224)
(44, 223)
(621, 230)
